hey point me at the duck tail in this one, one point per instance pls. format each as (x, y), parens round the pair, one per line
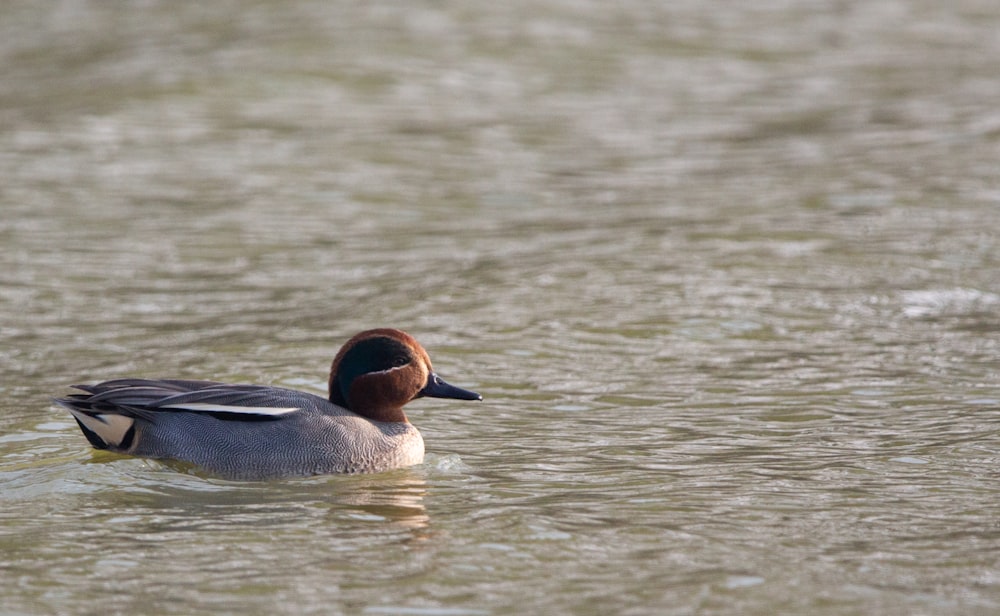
(104, 429)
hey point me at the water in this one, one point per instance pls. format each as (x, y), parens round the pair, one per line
(725, 275)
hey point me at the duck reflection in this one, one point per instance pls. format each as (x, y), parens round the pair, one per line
(191, 500)
(396, 497)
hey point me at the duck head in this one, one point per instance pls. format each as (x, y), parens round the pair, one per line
(379, 370)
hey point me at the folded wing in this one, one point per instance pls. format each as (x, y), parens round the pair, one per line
(107, 411)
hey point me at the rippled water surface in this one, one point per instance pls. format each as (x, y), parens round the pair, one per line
(726, 275)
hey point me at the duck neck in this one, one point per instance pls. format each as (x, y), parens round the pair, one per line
(373, 408)
(385, 413)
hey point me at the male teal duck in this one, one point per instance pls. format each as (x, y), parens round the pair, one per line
(261, 432)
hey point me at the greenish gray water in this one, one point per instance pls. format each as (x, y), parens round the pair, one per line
(727, 277)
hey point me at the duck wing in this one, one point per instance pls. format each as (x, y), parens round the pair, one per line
(107, 411)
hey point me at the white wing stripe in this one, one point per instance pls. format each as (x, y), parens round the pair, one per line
(202, 407)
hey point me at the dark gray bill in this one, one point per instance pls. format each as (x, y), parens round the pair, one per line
(437, 388)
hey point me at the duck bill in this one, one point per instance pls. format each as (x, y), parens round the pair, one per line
(437, 388)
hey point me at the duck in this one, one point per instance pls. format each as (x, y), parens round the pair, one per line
(258, 432)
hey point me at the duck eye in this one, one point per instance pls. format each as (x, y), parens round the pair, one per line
(400, 360)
